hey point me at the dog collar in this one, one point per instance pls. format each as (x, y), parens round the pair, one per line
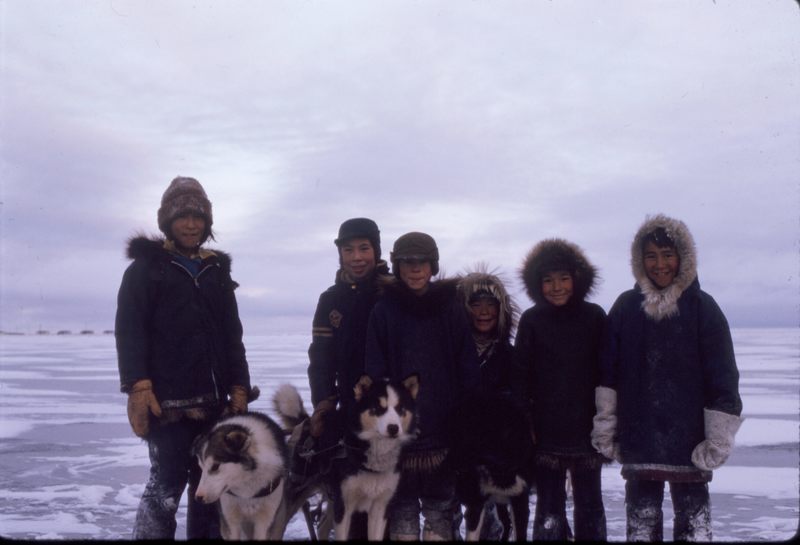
(267, 490)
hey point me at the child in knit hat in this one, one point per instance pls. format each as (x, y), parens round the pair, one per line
(180, 354)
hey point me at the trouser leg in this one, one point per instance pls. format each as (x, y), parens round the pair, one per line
(550, 518)
(645, 519)
(692, 507)
(589, 513)
(493, 527)
(172, 466)
(404, 510)
(458, 518)
(438, 503)
(155, 517)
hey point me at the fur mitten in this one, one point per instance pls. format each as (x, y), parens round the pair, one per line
(604, 428)
(141, 402)
(318, 417)
(237, 400)
(720, 430)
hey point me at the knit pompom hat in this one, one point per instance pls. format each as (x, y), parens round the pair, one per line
(184, 195)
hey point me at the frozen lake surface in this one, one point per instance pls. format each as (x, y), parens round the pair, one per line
(70, 468)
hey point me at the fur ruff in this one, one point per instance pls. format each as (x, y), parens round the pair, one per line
(481, 279)
(663, 303)
(426, 461)
(440, 293)
(663, 472)
(150, 248)
(555, 254)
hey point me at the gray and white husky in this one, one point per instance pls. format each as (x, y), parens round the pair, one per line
(244, 460)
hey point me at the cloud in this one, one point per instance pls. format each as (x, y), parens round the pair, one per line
(489, 126)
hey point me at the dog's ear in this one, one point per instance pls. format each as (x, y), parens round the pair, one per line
(411, 384)
(197, 443)
(236, 440)
(361, 387)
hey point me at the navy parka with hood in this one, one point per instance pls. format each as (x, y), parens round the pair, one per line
(180, 330)
(669, 355)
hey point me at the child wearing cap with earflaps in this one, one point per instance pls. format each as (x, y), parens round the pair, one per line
(180, 355)
(668, 406)
(419, 327)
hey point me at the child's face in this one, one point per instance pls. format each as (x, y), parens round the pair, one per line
(661, 264)
(416, 275)
(485, 312)
(187, 231)
(358, 258)
(557, 287)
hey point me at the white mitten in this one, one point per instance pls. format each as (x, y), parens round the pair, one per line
(720, 431)
(604, 427)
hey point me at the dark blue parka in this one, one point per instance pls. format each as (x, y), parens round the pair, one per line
(557, 354)
(428, 335)
(669, 355)
(181, 332)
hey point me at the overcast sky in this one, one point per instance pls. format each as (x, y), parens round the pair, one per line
(489, 125)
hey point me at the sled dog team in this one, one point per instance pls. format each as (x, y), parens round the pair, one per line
(428, 394)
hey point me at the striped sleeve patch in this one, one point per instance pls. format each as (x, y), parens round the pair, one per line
(321, 332)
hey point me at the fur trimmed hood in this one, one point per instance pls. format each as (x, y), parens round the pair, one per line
(480, 279)
(663, 303)
(440, 293)
(147, 248)
(554, 254)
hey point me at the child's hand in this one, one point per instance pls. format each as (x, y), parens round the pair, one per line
(142, 403)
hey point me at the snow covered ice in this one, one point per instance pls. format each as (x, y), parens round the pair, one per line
(72, 469)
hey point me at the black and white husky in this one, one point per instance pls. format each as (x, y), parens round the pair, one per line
(365, 476)
(244, 460)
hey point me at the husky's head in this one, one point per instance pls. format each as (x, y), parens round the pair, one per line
(242, 454)
(224, 460)
(386, 409)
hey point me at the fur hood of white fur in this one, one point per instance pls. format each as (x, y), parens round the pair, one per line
(663, 303)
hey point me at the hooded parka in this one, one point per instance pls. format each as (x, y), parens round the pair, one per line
(494, 355)
(669, 356)
(557, 358)
(181, 331)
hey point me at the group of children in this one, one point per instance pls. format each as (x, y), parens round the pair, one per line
(652, 385)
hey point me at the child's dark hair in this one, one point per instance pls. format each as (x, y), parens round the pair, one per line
(660, 237)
